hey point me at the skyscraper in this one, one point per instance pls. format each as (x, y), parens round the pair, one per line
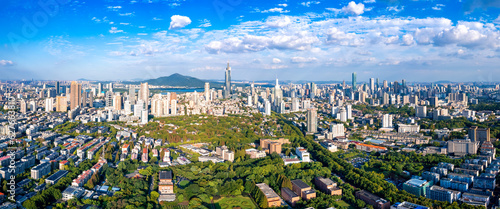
(313, 90)
(312, 120)
(57, 87)
(354, 81)
(111, 87)
(109, 99)
(99, 88)
(131, 94)
(144, 96)
(117, 102)
(207, 91)
(378, 85)
(372, 84)
(75, 95)
(227, 92)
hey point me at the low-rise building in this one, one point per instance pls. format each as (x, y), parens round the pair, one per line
(416, 187)
(327, 186)
(442, 194)
(72, 192)
(289, 196)
(374, 200)
(305, 191)
(273, 200)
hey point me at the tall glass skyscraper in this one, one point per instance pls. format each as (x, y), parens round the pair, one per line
(227, 91)
(354, 81)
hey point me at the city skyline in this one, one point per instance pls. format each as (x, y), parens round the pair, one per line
(298, 40)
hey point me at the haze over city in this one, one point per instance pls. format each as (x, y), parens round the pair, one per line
(422, 41)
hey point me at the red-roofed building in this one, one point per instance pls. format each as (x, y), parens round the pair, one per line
(62, 164)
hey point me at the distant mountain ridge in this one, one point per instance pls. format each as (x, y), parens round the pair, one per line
(178, 80)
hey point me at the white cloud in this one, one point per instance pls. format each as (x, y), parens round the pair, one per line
(368, 1)
(497, 21)
(114, 8)
(205, 23)
(353, 8)
(276, 9)
(282, 5)
(408, 40)
(6, 63)
(207, 68)
(438, 7)
(396, 8)
(276, 61)
(178, 21)
(303, 59)
(309, 3)
(126, 14)
(334, 36)
(156, 18)
(462, 36)
(250, 43)
(115, 30)
(278, 22)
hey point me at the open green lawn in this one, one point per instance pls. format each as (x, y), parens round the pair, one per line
(344, 204)
(230, 202)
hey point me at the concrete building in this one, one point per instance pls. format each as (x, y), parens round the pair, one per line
(289, 196)
(374, 200)
(442, 194)
(404, 128)
(407, 205)
(462, 147)
(327, 186)
(273, 200)
(453, 184)
(303, 190)
(72, 192)
(416, 187)
(479, 134)
(312, 120)
(40, 170)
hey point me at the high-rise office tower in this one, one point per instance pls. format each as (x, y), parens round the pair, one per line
(372, 84)
(385, 84)
(312, 120)
(314, 88)
(207, 91)
(61, 104)
(378, 84)
(131, 94)
(75, 95)
(57, 87)
(99, 88)
(354, 81)
(277, 93)
(227, 92)
(144, 96)
(111, 87)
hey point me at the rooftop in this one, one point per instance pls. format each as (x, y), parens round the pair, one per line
(300, 184)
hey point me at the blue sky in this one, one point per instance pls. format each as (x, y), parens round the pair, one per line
(419, 40)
